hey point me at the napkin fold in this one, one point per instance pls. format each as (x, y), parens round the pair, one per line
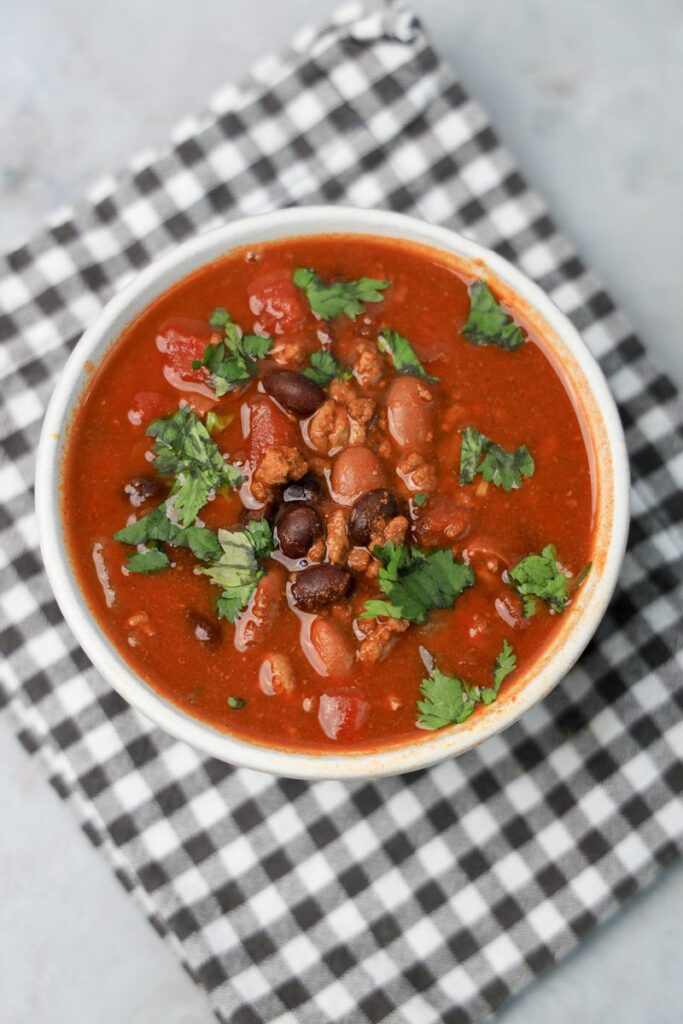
(426, 898)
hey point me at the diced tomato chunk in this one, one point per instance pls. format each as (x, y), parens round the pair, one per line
(342, 713)
(149, 405)
(266, 426)
(183, 341)
(277, 303)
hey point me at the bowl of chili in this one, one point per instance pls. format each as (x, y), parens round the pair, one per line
(332, 493)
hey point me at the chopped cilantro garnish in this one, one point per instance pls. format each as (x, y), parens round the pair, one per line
(157, 527)
(449, 700)
(237, 703)
(184, 449)
(540, 576)
(446, 701)
(324, 369)
(479, 454)
(419, 499)
(231, 361)
(148, 561)
(340, 297)
(403, 355)
(238, 571)
(488, 324)
(416, 583)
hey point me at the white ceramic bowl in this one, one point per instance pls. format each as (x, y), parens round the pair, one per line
(563, 344)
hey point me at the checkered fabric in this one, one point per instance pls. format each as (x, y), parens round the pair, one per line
(426, 898)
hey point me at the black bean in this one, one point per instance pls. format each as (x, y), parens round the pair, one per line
(205, 630)
(298, 528)
(142, 489)
(367, 512)
(308, 488)
(295, 393)
(320, 585)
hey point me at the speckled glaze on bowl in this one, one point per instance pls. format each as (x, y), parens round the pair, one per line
(571, 357)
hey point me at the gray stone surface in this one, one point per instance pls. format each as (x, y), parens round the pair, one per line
(588, 97)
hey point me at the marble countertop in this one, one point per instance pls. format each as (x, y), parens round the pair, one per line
(588, 98)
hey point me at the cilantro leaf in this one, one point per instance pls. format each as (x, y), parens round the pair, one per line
(216, 423)
(488, 324)
(236, 703)
(541, 576)
(479, 454)
(148, 561)
(416, 583)
(238, 571)
(450, 700)
(403, 355)
(340, 297)
(231, 361)
(446, 701)
(156, 527)
(184, 449)
(419, 499)
(324, 368)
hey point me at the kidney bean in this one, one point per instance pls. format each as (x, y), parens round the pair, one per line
(441, 523)
(298, 528)
(308, 489)
(205, 630)
(368, 510)
(276, 675)
(294, 392)
(356, 470)
(332, 647)
(141, 489)
(410, 413)
(320, 585)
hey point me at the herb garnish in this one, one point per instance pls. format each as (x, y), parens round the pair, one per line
(238, 571)
(541, 576)
(184, 449)
(419, 499)
(237, 703)
(403, 355)
(340, 297)
(488, 324)
(156, 527)
(231, 361)
(416, 583)
(479, 454)
(324, 369)
(152, 560)
(450, 700)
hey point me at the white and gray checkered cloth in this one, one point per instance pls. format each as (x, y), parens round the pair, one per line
(413, 900)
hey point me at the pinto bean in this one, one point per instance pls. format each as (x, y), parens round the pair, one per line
(368, 510)
(442, 523)
(294, 392)
(204, 629)
(308, 489)
(332, 647)
(141, 489)
(320, 585)
(298, 528)
(356, 470)
(410, 413)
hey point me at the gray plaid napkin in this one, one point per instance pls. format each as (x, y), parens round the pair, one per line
(427, 898)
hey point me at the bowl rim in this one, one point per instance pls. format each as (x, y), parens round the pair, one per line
(579, 367)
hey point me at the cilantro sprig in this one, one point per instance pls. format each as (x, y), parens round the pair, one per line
(156, 528)
(403, 355)
(184, 449)
(238, 570)
(232, 360)
(450, 700)
(339, 298)
(488, 323)
(324, 369)
(416, 583)
(540, 576)
(479, 454)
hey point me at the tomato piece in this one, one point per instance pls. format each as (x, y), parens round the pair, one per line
(277, 303)
(149, 405)
(267, 426)
(182, 342)
(342, 713)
